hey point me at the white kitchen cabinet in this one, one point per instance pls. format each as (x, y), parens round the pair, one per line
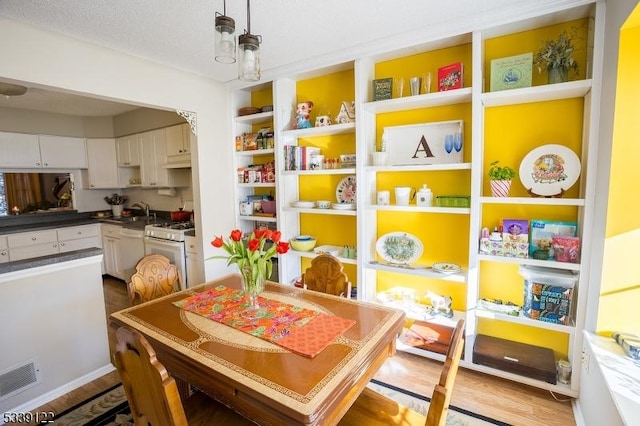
(178, 139)
(128, 150)
(19, 150)
(62, 152)
(4, 250)
(111, 249)
(27, 245)
(79, 237)
(102, 163)
(154, 156)
(195, 263)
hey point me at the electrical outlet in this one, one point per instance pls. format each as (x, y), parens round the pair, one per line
(585, 360)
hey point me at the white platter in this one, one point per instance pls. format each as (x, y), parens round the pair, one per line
(346, 190)
(549, 170)
(399, 248)
(446, 268)
(338, 206)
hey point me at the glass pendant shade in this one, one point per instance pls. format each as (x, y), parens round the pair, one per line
(225, 49)
(249, 57)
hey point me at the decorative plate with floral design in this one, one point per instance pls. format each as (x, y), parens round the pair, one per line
(346, 190)
(399, 248)
(549, 170)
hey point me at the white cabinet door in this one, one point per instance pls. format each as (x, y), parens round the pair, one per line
(32, 238)
(154, 155)
(128, 148)
(19, 150)
(78, 232)
(195, 266)
(4, 250)
(30, 252)
(102, 163)
(63, 152)
(178, 139)
(110, 247)
(79, 244)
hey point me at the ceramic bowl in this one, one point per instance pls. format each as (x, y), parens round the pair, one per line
(303, 245)
(323, 204)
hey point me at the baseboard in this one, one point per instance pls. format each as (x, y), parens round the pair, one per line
(577, 412)
(60, 391)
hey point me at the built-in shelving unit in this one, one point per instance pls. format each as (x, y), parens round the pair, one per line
(502, 125)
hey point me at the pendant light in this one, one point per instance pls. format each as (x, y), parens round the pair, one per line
(225, 49)
(249, 53)
(9, 90)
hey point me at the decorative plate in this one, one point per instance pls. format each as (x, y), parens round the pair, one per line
(399, 248)
(549, 170)
(446, 268)
(346, 190)
(338, 206)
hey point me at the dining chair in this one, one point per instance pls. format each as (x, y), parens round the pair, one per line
(155, 276)
(326, 274)
(153, 394)
(372, 408)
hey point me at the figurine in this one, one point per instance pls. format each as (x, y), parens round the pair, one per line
(441, 304)
(347, 113)
(302, 119)
(323, 120)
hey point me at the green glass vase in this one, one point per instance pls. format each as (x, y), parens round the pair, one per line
(557, 74)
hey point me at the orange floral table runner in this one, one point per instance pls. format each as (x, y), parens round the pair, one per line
(300, 330)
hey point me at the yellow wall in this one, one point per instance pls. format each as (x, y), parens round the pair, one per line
(620, 287)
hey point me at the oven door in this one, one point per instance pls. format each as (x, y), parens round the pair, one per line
(173, 250)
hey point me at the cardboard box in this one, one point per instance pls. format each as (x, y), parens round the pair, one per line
(548, 294)
(494, 248)
(526, 360)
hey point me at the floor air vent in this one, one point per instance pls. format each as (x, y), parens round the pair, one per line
(18, 379)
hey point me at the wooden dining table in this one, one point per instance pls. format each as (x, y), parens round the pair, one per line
(257, 378)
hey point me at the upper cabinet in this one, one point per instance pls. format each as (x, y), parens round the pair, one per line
(179, 139)
(102, 158)
(154, 156)
(129, 150)
(19, 150)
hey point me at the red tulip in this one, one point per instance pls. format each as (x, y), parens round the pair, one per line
(276, 235)
(282, 247)
(259, 233)
(217, 242)
(236, 235)
(254, 244)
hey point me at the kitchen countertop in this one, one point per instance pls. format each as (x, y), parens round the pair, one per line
(20, 265)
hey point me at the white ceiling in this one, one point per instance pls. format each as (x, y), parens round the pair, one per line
(180, 34)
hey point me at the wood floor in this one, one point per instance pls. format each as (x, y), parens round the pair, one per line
(500, 399)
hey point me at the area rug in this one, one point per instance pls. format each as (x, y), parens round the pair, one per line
(110, 408)
(420, 403)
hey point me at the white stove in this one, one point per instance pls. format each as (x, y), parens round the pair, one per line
(167, 239)
(170, 231)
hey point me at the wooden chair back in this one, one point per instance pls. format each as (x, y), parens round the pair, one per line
(326, 274)
(439, 406)
(152, 393)
(155, 276)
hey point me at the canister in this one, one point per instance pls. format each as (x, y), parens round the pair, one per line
(424, 197)
(246, 208)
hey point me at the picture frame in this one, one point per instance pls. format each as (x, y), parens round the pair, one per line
(382, 88)
(512, 72)
(439, 142)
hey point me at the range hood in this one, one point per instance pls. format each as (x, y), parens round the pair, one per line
(181, 161)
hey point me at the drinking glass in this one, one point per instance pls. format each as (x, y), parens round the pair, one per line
(400, 86)
(426, 82)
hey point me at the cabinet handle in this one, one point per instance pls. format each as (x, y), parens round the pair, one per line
(46, 164)
(79, 232)
(3, 253)
(61, 245)
(37, 164)
(33, 238)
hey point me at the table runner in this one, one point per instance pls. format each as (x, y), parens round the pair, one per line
(300, 330)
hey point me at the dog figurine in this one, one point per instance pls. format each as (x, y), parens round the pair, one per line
(303, 111)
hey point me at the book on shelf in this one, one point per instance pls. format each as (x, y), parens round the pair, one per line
(382, 88)
(512, 72)
(299, 157)
(450, 77)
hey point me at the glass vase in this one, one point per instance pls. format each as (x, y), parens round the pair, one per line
(557, 74)
(252, 286)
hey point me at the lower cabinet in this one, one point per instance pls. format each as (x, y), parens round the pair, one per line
(4, 250)
(195, 273)
(27, 245)
(110, 247)
(78, 238)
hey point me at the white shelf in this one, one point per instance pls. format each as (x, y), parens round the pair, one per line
(547, 92)
(533, 201)
(335, 129)
(428, 100)
(257, 218)
(420, 168)
(311, 255)
(416, 269)
(322, 172)
(261, 117)
(257, 185)
(322, 211)
(531, 262)
(521, 319)
(254, 152)
(416, 209)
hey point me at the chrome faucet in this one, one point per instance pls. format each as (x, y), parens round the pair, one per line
(141, 207)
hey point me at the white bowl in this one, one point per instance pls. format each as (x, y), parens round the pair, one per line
(304, 204)
(323, 204)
